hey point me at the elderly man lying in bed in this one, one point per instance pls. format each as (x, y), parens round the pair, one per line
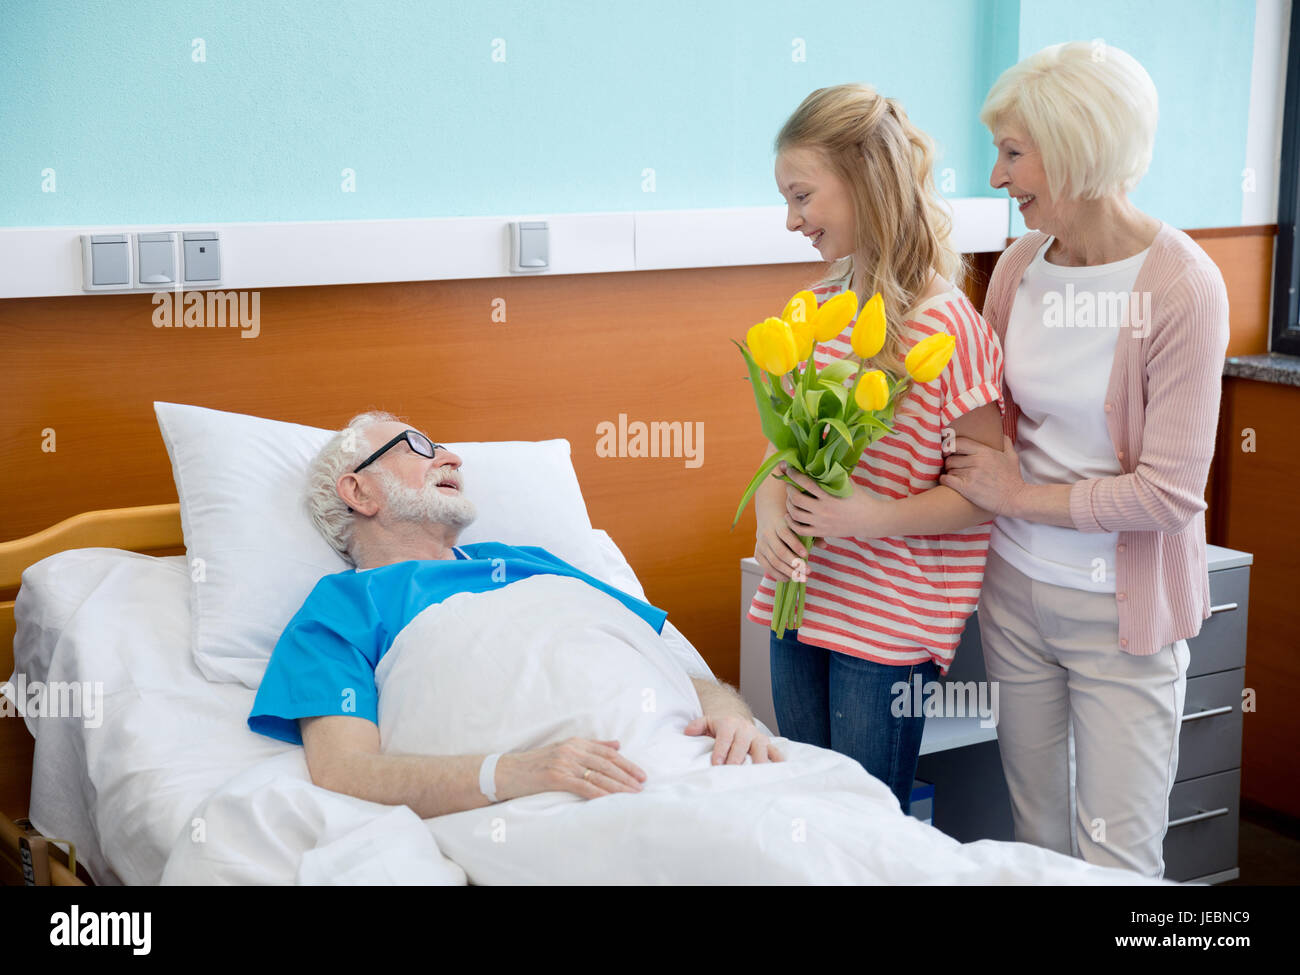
(393, 503)
(409, 674)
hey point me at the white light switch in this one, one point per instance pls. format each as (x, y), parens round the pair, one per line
(202, 256)
(155, 257)
(106, 262)
(530, 246)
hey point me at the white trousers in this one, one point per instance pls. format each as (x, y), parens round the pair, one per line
(1054, 653)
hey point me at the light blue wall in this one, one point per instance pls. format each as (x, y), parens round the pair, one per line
(1198, 53)
(999, 43)
(406, 93)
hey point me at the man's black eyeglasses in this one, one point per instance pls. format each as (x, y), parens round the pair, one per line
(421, 444)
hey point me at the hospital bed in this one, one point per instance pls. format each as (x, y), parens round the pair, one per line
(127, 781)
(158, 779)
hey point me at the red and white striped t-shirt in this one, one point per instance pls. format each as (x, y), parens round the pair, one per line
(904, 600)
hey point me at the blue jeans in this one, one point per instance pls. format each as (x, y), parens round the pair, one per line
(841, 702)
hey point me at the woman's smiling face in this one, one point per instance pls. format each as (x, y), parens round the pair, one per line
(817, 202)
(1019, 170)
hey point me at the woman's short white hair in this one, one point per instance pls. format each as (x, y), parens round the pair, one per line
(345, 450)
(1090, 108)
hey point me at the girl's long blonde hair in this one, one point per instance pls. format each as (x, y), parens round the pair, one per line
(887, 164)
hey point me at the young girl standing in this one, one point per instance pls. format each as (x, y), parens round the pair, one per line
(897, 567)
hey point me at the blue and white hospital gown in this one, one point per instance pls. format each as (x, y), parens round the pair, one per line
(324, 662)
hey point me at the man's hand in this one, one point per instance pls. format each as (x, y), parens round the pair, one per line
(729, 721)
(585, 767)
(734, 738)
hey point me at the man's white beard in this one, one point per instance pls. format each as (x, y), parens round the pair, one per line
(429, 504)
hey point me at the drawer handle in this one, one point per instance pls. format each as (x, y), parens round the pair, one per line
(1222, 608)
(1198, 816)
(1226, 709)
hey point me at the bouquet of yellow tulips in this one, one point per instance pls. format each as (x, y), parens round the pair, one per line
(820, 425)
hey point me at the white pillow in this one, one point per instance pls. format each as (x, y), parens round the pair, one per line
(255, 554)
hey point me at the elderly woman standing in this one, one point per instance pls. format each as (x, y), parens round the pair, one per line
(1114, 326)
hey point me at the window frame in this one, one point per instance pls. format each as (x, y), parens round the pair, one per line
(1284, 335)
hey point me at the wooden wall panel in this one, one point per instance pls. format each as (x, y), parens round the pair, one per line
(1259, 516)
(574, 351)
(1245, 258)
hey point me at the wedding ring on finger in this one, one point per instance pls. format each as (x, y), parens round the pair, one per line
(586, 775)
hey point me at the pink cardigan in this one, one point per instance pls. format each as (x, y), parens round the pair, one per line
(1162, 409)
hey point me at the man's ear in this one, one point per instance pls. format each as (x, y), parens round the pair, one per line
(354, 494)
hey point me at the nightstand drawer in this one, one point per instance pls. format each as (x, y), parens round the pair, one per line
(1221, 644)
(1202, 835)
(1210, 738)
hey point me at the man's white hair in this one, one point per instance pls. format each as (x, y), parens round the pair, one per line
(345, 450)
(1090, 108)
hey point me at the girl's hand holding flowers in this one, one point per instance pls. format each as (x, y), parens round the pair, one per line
(812, 511)
(777, 547)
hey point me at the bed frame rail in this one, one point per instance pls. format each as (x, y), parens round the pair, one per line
(150, 528)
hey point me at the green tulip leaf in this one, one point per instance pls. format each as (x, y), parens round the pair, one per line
(839, 393)
(764, 470)
(769, 418)
(837, 372)
(817, 469)
(838, 482)
(798, 412)
(828, 407)
(779, 396)
(811, 400)
(837, 426)
(838, 448)
(799, 436)
(861, 418)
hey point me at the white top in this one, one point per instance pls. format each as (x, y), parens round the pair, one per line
(1059, 351)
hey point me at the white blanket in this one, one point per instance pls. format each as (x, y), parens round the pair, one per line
(549, 657)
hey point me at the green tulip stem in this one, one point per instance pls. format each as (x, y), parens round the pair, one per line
(787, 603)
(857, 372)
(778, 600)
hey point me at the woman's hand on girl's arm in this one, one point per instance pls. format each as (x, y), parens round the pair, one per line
(988, 488)
(946, 508)
(988, 477)
(991, 479)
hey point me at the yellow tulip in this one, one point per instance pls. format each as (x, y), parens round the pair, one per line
(782, 353)
(873, 391)
(930, 356)
(833, 315)
(869, 333)
(773, 346)
(803, 339)
(756, 343)
(800, 308)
